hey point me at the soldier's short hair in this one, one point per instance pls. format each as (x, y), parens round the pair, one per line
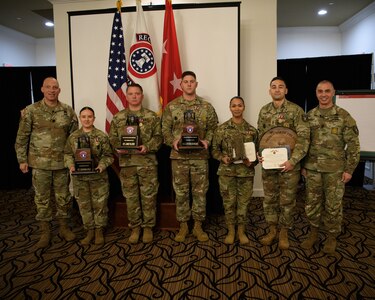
(134, 85)
(188, 73)
(326, 81)
(278, 78)
(87, 107)
(237, 97)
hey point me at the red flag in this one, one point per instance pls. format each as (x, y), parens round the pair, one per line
(170, 64)
(117, 75)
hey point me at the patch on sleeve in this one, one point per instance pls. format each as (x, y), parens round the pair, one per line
(355, 129)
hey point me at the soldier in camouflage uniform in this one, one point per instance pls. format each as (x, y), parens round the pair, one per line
(139, 174)
(42, 133)
(280, 186)
(329, 165)
(236, 178)
(189, 167)
(91, 190)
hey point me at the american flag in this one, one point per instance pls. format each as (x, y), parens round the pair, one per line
(117, 74)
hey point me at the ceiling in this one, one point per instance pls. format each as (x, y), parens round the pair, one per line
(29, 16)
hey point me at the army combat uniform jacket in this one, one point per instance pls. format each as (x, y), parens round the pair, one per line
(334, 141)
(150, 134)
(222, 145)
(101, 152)
(173, 124)
(42, 135)
(291, 116)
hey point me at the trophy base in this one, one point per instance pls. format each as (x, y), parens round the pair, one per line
(84, 172)
(128, 150)
(197, 147)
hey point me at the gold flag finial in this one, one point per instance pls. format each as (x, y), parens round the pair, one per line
(119, 5)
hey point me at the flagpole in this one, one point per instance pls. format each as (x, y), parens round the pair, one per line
(119, 5)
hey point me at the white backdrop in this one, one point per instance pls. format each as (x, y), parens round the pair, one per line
(362, 108)
(208, 40)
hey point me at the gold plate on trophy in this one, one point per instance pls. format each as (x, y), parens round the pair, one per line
(278, 137)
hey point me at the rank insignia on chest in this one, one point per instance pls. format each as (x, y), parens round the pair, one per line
(281, 118)
(334, 130)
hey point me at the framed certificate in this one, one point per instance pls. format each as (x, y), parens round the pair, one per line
(274, 157)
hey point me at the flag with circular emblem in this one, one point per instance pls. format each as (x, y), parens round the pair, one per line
(142, 64)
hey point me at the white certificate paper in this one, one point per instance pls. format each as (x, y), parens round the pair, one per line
(250, 151)
(274, 157)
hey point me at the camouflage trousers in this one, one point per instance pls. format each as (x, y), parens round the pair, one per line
(190, 176)
(324, 193)
(236, 193)
(280, 191)
(140, 188)
(45, 182)
(92, 198)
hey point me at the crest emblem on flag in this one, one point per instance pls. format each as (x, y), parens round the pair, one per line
(142, 61)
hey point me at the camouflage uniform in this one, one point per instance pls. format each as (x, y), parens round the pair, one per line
(189, 166)
(280, 188)
(236, 180)
(92, 190)
(334, 149)
(40, 142)
(138, 175)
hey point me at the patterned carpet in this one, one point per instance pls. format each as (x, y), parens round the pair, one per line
(165, 269)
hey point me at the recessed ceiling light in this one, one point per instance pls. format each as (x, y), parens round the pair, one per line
(322, 12)
(49, 24)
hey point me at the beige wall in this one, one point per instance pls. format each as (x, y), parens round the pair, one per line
(258, 50)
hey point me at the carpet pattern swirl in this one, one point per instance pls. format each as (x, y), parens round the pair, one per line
(165, 269)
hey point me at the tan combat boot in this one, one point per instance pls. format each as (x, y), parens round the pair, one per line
(99, 238)
(147, 235)
(283, 239)
(65, 231)
(311, 238)
(199, 233)
(268, 239)
(182, 233)
(229, 239)
(242, 235)
(330, 244)
(45, 235)
(134, 236)
(88, 238)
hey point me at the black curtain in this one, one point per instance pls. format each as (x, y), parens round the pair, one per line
(347, 72)
(297, 85)
(16, 92)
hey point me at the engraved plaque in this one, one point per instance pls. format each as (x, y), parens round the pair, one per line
(83, 161)
(278, 137)
(190, 137)
(130, 140)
